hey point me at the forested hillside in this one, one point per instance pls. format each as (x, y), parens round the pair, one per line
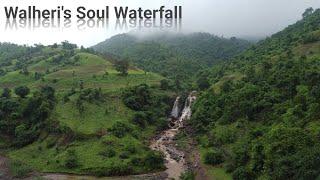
(259, 115)
(67, 109)
(173, 55)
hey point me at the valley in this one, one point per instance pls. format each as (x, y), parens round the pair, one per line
(164, 106)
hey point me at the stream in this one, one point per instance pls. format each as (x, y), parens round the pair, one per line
(174, 159)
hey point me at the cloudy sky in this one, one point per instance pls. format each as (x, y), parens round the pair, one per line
(240, 18)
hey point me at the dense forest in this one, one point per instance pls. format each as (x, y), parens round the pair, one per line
(258, 116)
(173, 55)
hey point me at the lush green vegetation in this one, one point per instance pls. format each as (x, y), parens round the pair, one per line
(173, 55)
(67, 109)
(258, 116)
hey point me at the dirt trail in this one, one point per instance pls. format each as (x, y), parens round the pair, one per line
(201, 172)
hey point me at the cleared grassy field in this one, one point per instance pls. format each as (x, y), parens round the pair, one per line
(92, 70)
(95, 117)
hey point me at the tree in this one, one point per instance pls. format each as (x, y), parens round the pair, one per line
(139, 119)
(226, 86)
(2, 72)
(80, 106)
(122, 67)
(164, 84)
(307, 12)
(37, 75)
(81, 84)
(203, 83)
(49, 93)
(6, 93)
(68, 46)
(22, 91)
(24, 71)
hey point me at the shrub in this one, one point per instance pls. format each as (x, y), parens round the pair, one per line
(51, 142)
(120, 129)
(6, 93)
(131, 148)
(139, 119)
(153, 160)
(229, 167)
(124, 155)
(136, 161)
(108, 153)
(189, 175)
(71, 160)
(213, 157)
(164, 84)
(109, 140)
(162, 124)
(241, 173)
(22, 91)
(18, 169)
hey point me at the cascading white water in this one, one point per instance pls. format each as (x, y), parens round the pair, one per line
(175, 161)
(175, 108)
(186, 112)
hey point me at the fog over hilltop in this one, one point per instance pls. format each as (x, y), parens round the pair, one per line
(250, 19)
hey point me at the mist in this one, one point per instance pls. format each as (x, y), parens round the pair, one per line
(249, 19)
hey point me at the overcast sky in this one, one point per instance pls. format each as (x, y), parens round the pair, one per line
(240, 18)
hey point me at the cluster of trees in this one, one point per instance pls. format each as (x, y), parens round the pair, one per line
(85, 95)
(151, 107)
(23, 118)
(9, 52)
(265, 121)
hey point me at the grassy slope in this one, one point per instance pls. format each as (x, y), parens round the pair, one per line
(90, 69)
(68, 76)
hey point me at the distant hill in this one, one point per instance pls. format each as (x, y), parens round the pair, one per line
(173, 55)
(258, 115)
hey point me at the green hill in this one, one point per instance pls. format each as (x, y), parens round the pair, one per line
(259, 115)
(176, 56)
(65, 109)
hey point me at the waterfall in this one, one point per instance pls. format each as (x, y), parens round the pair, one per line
(165, 143)
(186, 112)
(175, 109)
